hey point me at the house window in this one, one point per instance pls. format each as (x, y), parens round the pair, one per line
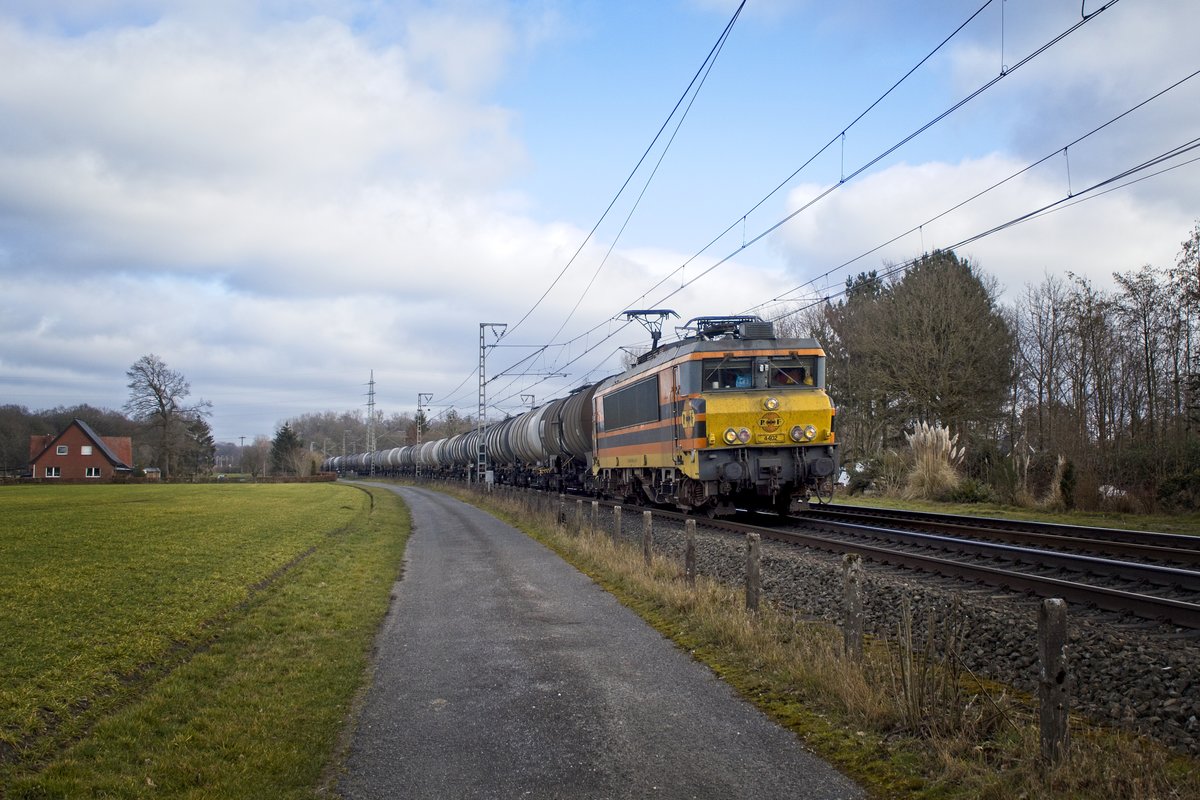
(61, 450)
(86, 450)
(53, 472)
(92, 472)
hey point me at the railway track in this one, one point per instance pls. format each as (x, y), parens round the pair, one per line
(1177, 549)
(1153, 576)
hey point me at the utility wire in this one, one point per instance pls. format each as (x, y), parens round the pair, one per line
(701, 75)
(979, 194)
(702, 70)
(1068, 200)
(926, 126)
(833, 140)
(938, 118)
(645, 187)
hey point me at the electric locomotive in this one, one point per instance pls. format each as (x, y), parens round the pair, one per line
(728, 417)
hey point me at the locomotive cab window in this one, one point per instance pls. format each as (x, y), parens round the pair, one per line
(728, 373)
(792, 370)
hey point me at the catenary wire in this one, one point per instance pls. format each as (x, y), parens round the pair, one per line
(924, 127)
(711, 55)
(1068, 200)
(817, 154)
(783, 296)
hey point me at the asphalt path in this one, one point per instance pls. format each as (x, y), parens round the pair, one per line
(502, 672)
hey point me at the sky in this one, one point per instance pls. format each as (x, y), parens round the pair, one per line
(284, 199)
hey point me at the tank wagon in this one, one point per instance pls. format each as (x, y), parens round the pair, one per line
(728, 417)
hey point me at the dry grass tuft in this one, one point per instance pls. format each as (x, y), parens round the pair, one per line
(934, 471)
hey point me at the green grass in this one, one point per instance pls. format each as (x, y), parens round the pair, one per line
(194, 641)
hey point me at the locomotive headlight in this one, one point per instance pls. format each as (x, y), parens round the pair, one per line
(805, 434)
(743, 435)
(771, 403)
(730, 436)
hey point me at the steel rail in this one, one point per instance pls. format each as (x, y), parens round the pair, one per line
(1152, 573)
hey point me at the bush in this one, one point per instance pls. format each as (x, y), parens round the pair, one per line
(1005, 481)
(982, 458)
(970, 491)
(1180, 491)
(1066, 483)
(1087, 490)
(882, 474)
(1040, 474)
(860, 481)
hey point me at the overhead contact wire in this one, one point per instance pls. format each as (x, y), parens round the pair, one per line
(1090, 193)
(926, 126)
(837, 137)
(982, 192)
(711, 54)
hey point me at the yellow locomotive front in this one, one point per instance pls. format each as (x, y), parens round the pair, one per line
(743, 421)
(769, 438)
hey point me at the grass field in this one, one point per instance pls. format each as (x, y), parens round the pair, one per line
(197, 641)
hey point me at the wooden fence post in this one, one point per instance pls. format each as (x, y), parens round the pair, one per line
(578, 516)
(595, 515)
(562, 510)
(1054, 684)
(647, 536)
(616, 528)
(852, 607)
(689, 552)
(753, 570)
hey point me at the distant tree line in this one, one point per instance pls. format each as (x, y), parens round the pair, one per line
(1097, 392)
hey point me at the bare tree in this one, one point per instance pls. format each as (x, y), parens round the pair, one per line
(1144, 309)
(1185, 280)
(156, 398)
(255, 456)
(1042, 325)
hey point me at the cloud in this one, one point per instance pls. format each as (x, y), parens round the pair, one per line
(1111, 233)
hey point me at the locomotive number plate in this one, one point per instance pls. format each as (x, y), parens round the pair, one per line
(769, 438)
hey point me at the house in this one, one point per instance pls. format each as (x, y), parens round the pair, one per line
(80, 454)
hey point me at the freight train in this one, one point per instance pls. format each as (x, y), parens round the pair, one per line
(727, 417)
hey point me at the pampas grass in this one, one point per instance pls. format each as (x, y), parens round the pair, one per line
(934, 472)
